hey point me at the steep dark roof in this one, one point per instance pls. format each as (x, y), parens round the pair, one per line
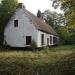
(40, 24)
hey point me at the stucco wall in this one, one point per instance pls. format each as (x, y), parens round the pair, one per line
(46, 35)
(16, 36)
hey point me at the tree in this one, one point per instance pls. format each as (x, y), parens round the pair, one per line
(54, 19)
(7, 8)
(47, 16)
(68, 6)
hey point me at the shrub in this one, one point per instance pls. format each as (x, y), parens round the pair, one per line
(33, 45)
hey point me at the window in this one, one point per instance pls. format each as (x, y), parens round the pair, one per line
(42, 39)
(15, 23)
(50, 39)
(28, 40)
(54, 40)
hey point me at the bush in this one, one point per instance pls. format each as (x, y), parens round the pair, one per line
(33, 45)
(19, 66)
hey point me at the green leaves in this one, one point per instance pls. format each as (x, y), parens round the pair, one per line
(69, 8)
(7, 8)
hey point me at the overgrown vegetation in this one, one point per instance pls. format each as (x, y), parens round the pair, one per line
(51, 61)
(68, 6)
(7, 8)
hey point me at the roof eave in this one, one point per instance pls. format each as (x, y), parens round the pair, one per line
(47, 32)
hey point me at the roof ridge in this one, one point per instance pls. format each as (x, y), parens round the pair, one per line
(39, 24)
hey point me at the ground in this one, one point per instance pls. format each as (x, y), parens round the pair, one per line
(58, 60)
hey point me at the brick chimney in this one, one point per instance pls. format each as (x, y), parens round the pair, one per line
(21, 5)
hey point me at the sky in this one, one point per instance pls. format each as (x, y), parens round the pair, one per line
(35, 5)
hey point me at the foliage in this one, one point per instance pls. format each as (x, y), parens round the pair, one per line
(54, 19)
(68, 6)
(7, 8)
(66, 35)
(47, 16)
(57, 61)
(57, 21)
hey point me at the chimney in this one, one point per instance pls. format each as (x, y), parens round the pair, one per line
(20, 5)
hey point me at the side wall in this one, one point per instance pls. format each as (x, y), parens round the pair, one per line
(46, 35)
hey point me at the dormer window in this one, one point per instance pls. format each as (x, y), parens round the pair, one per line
(15, 23)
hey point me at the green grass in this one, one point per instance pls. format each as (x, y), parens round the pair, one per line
(58, 60)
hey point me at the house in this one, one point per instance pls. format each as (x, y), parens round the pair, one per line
(24, 28)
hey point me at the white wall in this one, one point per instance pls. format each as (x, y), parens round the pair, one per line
(46, 35)
(16, 36)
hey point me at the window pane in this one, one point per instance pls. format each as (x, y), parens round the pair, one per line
(15, 23)
(28, 40)
(42, 39)
(50, 39)
(54, 40)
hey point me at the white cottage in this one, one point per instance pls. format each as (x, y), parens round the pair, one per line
(24, 28)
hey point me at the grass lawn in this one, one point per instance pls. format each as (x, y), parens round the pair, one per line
(49, 61)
